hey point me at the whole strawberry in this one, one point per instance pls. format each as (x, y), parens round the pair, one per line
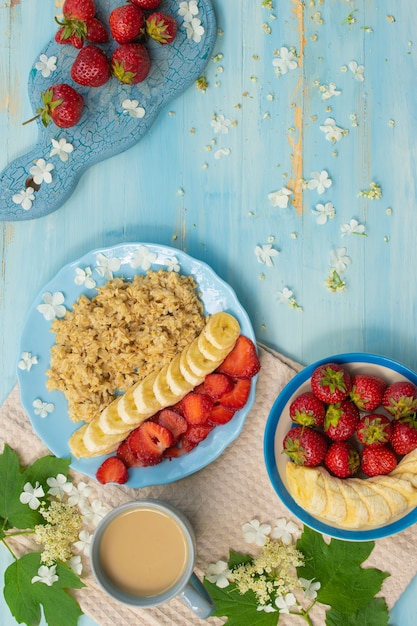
(147, 5)
(91, 67)
(127, 23)
(331, 383)
(342, 459)
(61, 105)
(341, 420)
(130, 63)
(161, 27)
(307, 410)
(76, 32)
(374, 430)
(378, 461)
(400, 399)
(79, 9)
(404, 438)
(367, 391)
(305, 446)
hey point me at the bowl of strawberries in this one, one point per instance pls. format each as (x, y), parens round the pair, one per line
(340, 446)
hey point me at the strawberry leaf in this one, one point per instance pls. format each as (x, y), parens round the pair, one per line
(375, 613)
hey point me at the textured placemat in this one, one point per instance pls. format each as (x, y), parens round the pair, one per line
(218, 500)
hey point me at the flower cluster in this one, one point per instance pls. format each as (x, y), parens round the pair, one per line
(189, 11)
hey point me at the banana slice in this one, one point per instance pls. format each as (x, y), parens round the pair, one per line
(305, 484)
(209, 351)
(399, 485)
(335, 509)
(395, 500)
(176, 381)
(356, 511)
(80, 450)
(222, 330)
(98, 442)
(378, 510)
(110, 420)
(407, 464)
(197, 362)
(163, 392)
(411, 478)
(144, 396)
(187, 372)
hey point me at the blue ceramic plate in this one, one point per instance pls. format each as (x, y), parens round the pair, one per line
(279, 422)
(37, 339)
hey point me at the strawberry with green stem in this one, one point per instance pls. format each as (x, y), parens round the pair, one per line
(161, 27)
(130, 63)
(341, 420)
(127, 23)
(404, 437)
(342, 459)
(367, 391)
(305, 446)
(331, 383)
(400, 399)
(307, 410)
(62, 104)
(374, 430)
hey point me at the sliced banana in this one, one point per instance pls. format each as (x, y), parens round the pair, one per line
(335, 509)
(162, 390)
(99, 442)
(110, 420)
(176, 381)
(397, 503)
(306, 487)
(80, 450)
(144, 396)
(197, 362)
(378, 510)
(356, 511)
(128, 411)
(407, 464)
(210, 351)
(222, 330)
(187, 372)
(399, 485)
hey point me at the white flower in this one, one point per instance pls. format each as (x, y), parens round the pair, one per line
(265, 254)
(42, 408)
(280, 198)
(58, 486)
(319, 181)
(339, 260)
(106, 266)
(132, 108)
(61, 148)
(255, 532)
(25, 198)
(358, 71)
(221, 124)
(41, 171)
(331, 130)
(46, 65)
(53, 306)
(46, 575)
(221, 152)
(267, 608)
(83, 545)
(285, 61)
(79, 493)
(188, 10)
(84, 277)
(328, 91)
(286, 531)
(219, 573)
(172, 265)
(76, 564)
(194, 30)
(353, 228)
(30, 495)
(310, 588)
(324, 211)
(94, 512)
(285, 603)
(26, 361)
(143, 258)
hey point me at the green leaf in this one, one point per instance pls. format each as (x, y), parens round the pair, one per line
(375, 613)
(236, 559)
(239, 609)
(345, 585)
(46, 467)
(14, 513)
(24, 598)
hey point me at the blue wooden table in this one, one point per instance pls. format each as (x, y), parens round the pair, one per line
(292, 174)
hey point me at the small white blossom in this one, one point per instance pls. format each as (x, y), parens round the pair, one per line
(310, 588)
(25, 198)
(143, 258)
(286, 531)
(286, 296)
(42, 408)
(285, 61)
(280, 198)
(352, 228)
(26, 361)
(324, 211)
(84, 277)
(221, 152)
(83, 545)
(106, 266)
(46, 65)
(267, 608)
(328, 91)
(76, 564)
(79, 493)
(255, 532)
(265, 253)
(221, 124)
(285, 603)
(194, 30)
(53, 305)
(93, 513)
(46, 575)
(30, 495)
(219, 573)
(331, 130)
(61, 148)
(188, 10)
(339, 259)
(319, 181)
(132, 108)
(172, 265)
(358, 71)
(41, 171)
(58, 486)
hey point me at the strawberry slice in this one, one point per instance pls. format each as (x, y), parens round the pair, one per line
(174, 452)
(172, 420)
(215, 385)
(220, 414)
(242, 361)
(149, 441)
(194, 435)
(112, 470)
(196, 407)
(238, 396)
(129, 459)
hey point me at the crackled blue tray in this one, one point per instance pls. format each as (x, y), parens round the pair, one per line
(106, 127)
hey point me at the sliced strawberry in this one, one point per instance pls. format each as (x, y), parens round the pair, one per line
(196, 407)
(172, 420)
(174, 452)
(220, 414)
(130, 459)
(238, 396)
(112, 470)
(149, 441)
(215, 385)
(195, 434)
(242, 361)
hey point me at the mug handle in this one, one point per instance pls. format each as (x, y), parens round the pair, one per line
(195, 597)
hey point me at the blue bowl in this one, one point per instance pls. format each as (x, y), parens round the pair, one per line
(279, 422)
